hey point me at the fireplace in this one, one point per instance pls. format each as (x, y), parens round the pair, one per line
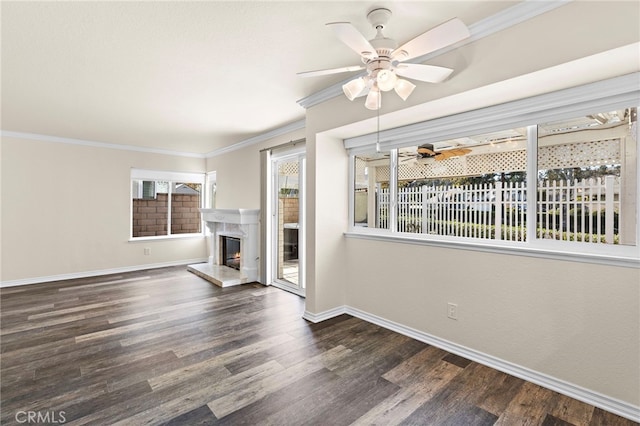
(235, 238)
(230, 251)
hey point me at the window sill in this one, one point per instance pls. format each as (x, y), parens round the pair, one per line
(166, 237)
(623, 256)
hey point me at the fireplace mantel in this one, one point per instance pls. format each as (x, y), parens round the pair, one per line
(236, 216)
(242, 224)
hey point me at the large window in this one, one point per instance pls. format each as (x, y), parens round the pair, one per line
(165, 204)
(565, 185)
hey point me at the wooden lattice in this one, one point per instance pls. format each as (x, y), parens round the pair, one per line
(289, 168)
(583, 154)
(360, 166)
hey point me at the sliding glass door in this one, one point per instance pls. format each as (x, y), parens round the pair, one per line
(287, 220)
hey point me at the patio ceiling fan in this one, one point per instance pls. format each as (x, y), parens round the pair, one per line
(427, 151)
(384, 61)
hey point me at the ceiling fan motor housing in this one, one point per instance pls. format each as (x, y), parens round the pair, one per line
(379, 17)
(384, 46)
(426, 150)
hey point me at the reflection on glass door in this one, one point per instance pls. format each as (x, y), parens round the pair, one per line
(288, 228)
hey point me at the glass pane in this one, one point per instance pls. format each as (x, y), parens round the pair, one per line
(371, 197)
(150, 207)
(587, 178)
(472, 187)
(288, 220)
(212, 195)
(185, 208)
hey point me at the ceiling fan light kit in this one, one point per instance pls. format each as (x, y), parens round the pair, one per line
(354, 88)
(374, 99)
(383, 60)
(404, 88)
(386, 80)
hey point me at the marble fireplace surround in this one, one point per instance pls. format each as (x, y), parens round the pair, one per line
(238, 223)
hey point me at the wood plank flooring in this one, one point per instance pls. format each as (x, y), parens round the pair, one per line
(167, 347)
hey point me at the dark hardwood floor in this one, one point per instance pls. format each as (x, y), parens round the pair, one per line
(166, 347)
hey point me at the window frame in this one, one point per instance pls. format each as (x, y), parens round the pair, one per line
(210, 191)
(172, 178)
(619, 92)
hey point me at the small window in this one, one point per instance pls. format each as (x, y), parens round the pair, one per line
(165, 207)
(211, 186)
(372, 202)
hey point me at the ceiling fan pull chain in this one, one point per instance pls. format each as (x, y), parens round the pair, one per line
(378, 130)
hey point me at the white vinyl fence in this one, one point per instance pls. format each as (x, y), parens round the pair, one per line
(580, 210)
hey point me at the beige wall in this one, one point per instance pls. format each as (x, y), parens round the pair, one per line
(327, 219)
(238, 173)
(46, 233)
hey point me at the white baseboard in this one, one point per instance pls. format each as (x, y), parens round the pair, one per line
(596, 399)
(86, 274)
(315, 318)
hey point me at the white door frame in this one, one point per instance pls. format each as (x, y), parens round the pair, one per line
(294, 152)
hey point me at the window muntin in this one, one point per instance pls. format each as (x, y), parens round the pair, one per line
(165, 206)
(371, 198)
(587, 178)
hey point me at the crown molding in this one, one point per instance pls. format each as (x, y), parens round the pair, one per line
(297, 125)
(291, 127)
(502, 20)
(82, 142)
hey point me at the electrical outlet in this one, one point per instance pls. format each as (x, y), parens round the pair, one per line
(147, 251)
(452, 311)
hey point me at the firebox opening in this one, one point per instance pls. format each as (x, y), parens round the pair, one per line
(231, 252)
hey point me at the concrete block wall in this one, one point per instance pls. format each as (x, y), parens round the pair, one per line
(185, 214)
(290, 208)
(150, 215)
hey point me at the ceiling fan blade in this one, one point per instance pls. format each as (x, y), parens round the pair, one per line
(428, 73)
(436, 38)
(350, 36)
(330, 71)
(450, 153)
(426, 150)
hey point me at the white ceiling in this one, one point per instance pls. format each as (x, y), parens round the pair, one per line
(185, 76)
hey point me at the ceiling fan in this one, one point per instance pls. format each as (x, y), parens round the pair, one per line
(385, 61)
(427, 151)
